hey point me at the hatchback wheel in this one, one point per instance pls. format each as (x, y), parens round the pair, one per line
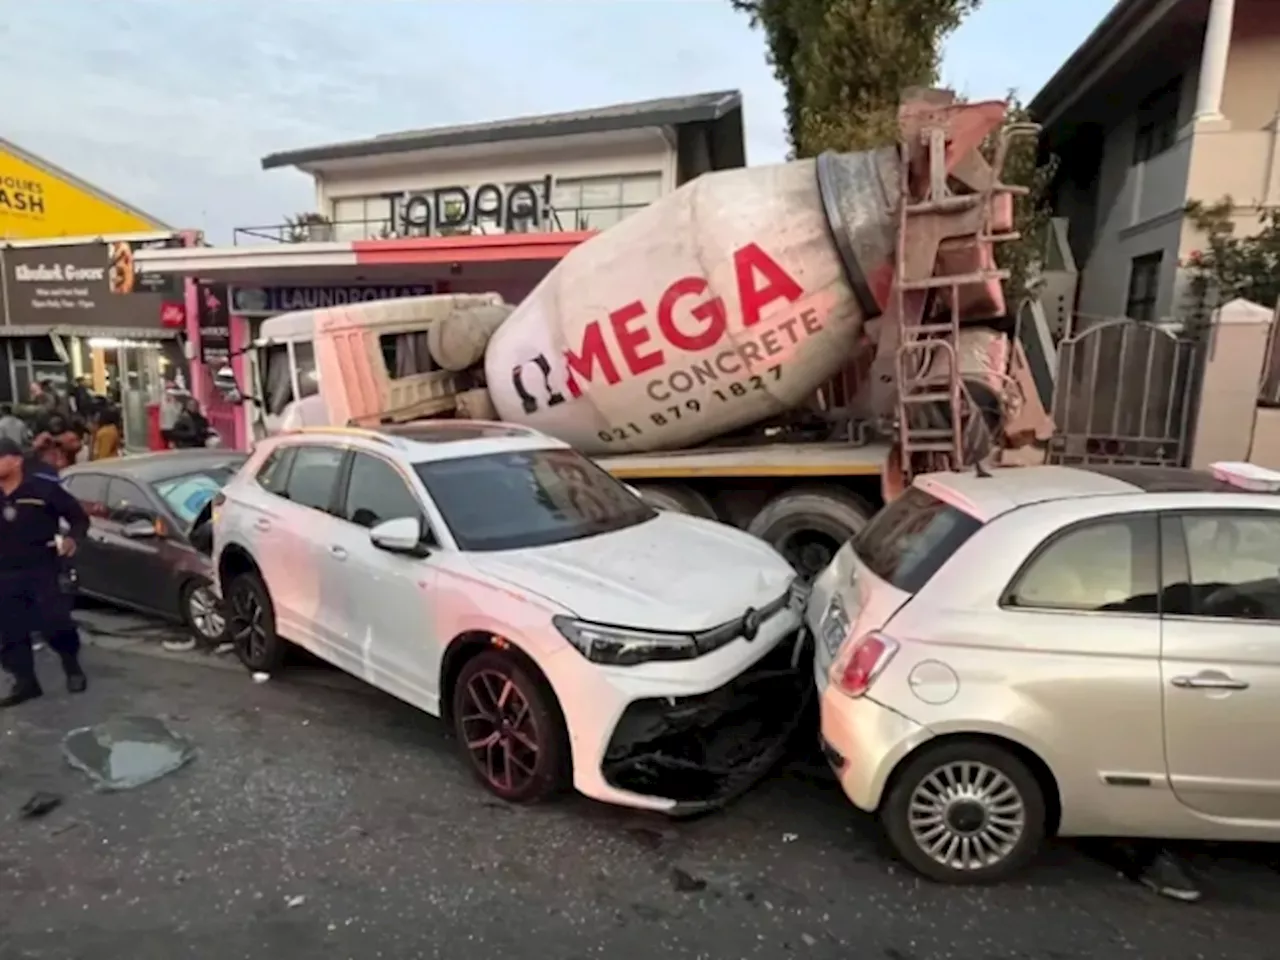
(510, 728)
(202, 611)
(965, 812)
(251, 623)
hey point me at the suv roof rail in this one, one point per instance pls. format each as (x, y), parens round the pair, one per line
(363, 432)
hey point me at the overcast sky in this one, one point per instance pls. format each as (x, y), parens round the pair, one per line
(171, 104)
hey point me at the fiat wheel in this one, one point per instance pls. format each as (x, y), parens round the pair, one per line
(966, 812)
(509, 727)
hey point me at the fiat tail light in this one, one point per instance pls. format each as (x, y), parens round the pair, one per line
(856, 669)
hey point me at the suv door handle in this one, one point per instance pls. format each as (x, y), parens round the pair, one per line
(338, 552)
(1209, 681)
(262, 524)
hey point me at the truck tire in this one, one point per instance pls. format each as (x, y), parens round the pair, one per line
(677, 498)
(809, 524)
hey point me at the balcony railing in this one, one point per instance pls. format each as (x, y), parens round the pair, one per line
(327, 231)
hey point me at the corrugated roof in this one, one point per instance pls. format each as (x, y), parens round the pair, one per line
(670, 111)
(53, 170)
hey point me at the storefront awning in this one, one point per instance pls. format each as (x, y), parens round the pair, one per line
(342, 257)
(86, 332)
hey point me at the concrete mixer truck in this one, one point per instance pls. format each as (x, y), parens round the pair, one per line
(778, 347)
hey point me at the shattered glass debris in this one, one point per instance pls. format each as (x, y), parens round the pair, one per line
(126, 752)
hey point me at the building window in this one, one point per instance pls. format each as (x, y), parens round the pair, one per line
(1157, 119)
(362, 218)
(597, 203)
(34, 359)
(1144, 288)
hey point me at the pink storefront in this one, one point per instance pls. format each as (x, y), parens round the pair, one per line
(230, 290)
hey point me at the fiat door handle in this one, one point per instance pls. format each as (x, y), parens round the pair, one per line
(338, 552)
(1209, 682)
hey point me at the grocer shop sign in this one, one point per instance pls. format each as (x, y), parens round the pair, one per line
(653, 337)
(92, 283)
(458, 208)
(58, 273)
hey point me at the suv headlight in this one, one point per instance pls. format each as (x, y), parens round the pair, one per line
(622, 647)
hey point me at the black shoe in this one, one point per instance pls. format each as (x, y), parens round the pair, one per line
(1168, 877)
(77, 682)
(21, 693)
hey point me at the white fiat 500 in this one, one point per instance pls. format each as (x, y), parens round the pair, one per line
(492, 576)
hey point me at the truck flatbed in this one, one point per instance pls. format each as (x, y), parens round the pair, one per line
(765, 460)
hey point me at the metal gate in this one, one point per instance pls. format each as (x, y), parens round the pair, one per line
(1126, 394)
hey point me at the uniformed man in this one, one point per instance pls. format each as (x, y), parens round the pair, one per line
(31, 598)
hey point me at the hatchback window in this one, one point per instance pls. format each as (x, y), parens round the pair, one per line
(506, 501)
(1095, 566)
(1234, 562)
(126, 503)
(910, 540)
(314, 476)
(376, 493)
(91, 490)
(188, 494)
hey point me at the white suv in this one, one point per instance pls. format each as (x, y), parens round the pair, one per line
(491, 575)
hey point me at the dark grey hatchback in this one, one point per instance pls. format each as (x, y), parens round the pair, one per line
(149, 540)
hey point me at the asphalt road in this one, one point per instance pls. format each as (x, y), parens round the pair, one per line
(322, 822)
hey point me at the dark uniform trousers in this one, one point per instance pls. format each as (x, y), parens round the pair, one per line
(33, 601)
(32, 598)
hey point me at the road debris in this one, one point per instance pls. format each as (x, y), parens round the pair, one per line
(685, 882)
(126, 752)
(39, 804)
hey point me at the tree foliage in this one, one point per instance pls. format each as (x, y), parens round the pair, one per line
(844, 63)
(1024, 167)
(1230, 265)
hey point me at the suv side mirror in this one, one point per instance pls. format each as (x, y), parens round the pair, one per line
(139, 529)
(401, 535)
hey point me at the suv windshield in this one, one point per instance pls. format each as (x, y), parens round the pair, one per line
(531, 498)
(910, 540)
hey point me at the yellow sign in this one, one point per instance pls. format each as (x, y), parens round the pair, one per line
(36, 204)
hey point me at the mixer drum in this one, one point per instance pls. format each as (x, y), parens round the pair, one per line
(722, 304)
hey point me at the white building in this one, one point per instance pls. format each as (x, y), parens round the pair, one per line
(567, 171)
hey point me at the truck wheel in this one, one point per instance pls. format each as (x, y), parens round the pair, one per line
(677, 498)
(808, 525)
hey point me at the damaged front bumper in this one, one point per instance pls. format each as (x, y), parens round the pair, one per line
(704, 750)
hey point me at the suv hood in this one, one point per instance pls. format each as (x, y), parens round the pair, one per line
(674, 572)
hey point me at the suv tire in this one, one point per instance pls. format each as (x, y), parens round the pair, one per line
(965, 790)
(510, 729)
(251, 624)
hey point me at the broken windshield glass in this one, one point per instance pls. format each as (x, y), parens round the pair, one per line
(126, 752)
